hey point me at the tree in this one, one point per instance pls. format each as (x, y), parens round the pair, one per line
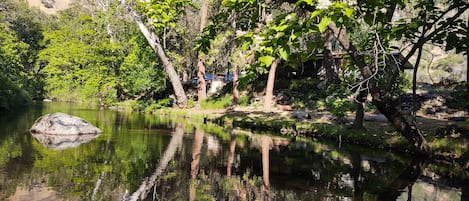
(201, 85)
(430, 25)
(20, 39)
(160, 15)
(439, 24)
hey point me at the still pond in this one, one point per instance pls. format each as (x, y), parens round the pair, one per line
(163, 158)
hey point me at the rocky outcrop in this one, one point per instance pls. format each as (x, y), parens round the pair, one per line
(63, 124)
(48, 3)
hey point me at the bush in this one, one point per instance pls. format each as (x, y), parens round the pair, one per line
(461, 97)
(220, 102)
(337, 102)
(152, 105)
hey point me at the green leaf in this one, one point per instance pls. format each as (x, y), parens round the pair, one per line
(324, 23)
(280, 27)
(316, 13)
(348, 12)
(266, 60)
(284, 53)
(309, 2)
(268, 50)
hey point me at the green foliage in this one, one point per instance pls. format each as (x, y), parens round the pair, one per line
(337, 102)
(217, 102)
(81, 64)
(15, 73)
(140, 74)
(155, 105)
(164, 13)
(461, 97)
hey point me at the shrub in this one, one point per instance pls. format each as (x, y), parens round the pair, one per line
(220, 102)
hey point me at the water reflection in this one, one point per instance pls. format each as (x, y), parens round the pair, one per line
(231, 153)
(266, 144)
(196, 149)
(147, 157)
(142, 192)
(405, 180)
(59, 142)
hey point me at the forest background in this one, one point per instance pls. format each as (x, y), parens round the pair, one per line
(150, 54)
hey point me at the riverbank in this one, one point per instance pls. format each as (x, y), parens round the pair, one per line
(448, 139)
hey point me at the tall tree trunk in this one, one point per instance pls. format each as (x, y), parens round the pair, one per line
(382, 103)
(235, 85)
(153, 41)
(414, 87)
(360, 113)
(332, 74)
(269, 90)
(201, 85)
(235, 66)
(465, 190)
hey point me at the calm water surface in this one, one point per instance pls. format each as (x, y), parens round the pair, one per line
(174, 159)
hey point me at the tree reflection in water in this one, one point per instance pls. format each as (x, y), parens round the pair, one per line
(213, 164)
(196, 149)
(266, 144)
(406, 179)
(149, 182)
(231, 153)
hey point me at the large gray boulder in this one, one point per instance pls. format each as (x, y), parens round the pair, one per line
(63, 124)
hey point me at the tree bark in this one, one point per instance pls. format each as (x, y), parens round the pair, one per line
(465, 190)
(382, 103)
(153, 41)
(360, 113)
(332, 74)
(360, 103)
(201, 85)
(269, 91)
(235, 66)
(235, 85)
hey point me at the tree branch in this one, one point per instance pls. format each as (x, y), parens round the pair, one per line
(422, 39)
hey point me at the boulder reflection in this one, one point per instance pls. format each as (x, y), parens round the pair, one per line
(60, 142)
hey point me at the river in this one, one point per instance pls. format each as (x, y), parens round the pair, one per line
(164, 158)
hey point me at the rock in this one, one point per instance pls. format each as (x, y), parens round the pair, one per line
(46, 100)
(48, 3)
(457, 118)
(63, 124)
(300, 115)
(378, 117)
